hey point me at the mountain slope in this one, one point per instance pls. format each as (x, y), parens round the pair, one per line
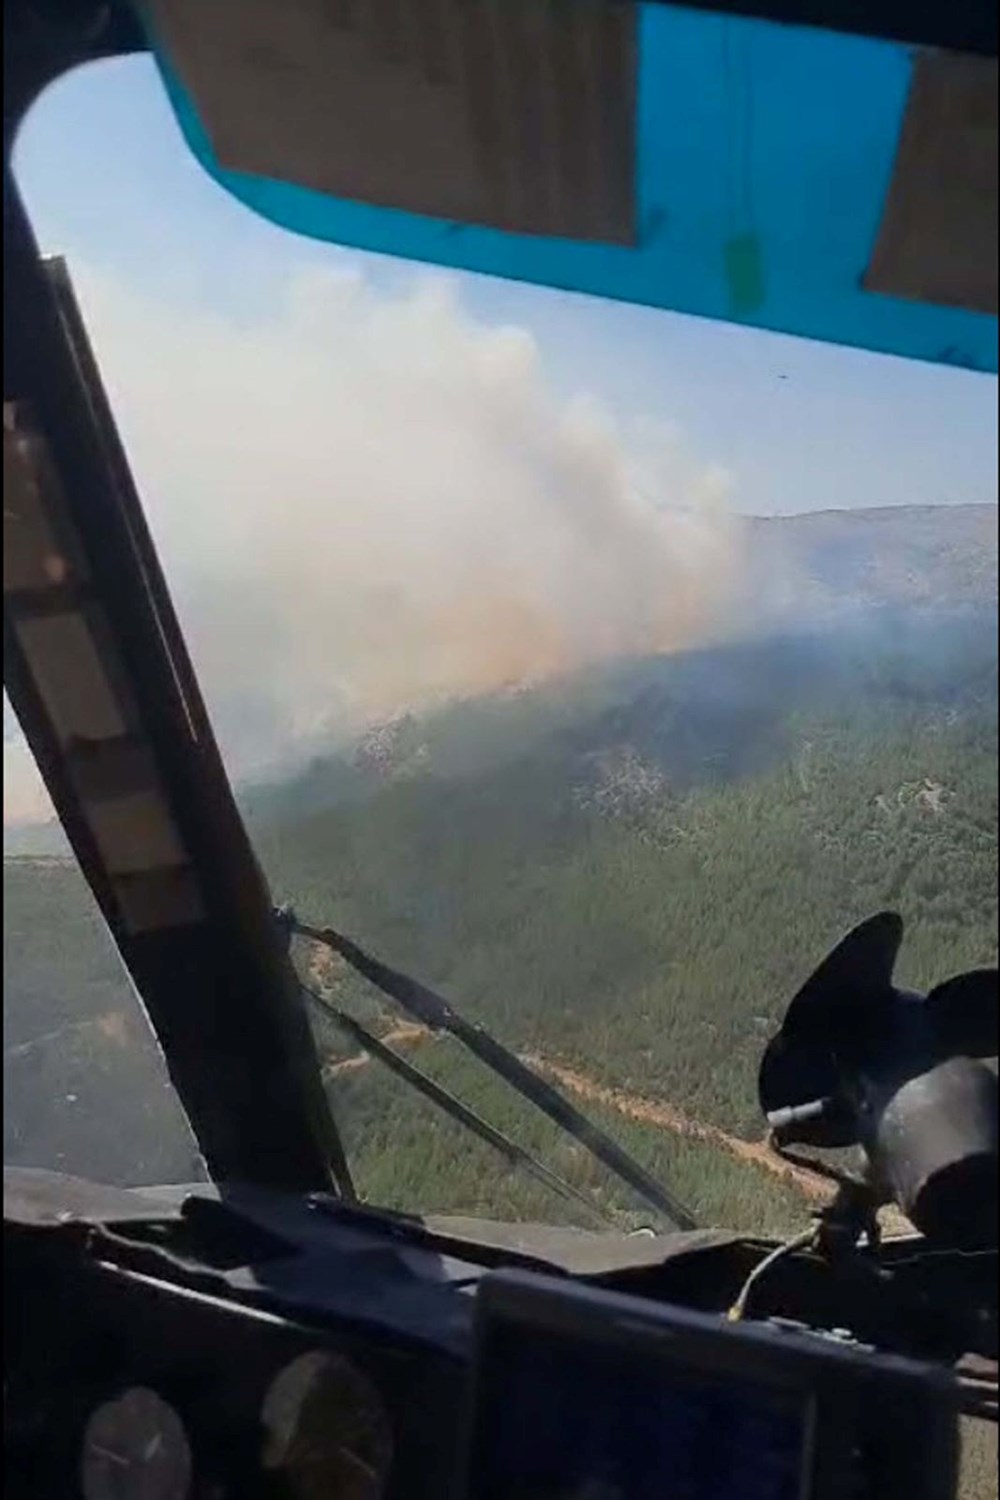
(803, 573)
(914, 556)
(628, 872)
(596, 911)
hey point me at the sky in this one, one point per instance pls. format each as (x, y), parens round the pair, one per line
(373, 485)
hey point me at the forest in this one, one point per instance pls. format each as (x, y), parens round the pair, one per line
(625, 877)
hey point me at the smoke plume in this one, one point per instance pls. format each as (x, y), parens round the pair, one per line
(367, 503)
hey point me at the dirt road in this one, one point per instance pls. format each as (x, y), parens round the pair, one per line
(668, 1117)
(406, 1034)
(632, 1106)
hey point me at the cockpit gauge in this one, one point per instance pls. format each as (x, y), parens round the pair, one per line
(135, 1448)
(328, 1435)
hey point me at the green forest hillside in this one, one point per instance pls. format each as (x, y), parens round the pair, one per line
(617, 899)
(627, 875)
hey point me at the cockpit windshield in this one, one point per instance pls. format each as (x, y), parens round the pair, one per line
(594, 664)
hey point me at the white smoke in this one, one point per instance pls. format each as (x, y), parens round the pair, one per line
(367, 503)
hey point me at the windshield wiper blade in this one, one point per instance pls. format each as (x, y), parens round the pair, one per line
(436, 1013)
(433, 1091)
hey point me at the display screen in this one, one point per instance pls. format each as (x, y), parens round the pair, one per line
(561, 1420)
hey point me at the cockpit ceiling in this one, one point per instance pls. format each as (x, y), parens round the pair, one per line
(814, 183)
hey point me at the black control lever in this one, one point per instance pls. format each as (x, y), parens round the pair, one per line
(904, 1076)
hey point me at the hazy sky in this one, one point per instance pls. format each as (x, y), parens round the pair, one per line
(110, 182)
(390, 484)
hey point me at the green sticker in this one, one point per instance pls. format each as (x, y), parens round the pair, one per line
(744, 275)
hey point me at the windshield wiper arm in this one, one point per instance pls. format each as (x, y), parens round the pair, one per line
(433, 1091)
(436, 1013)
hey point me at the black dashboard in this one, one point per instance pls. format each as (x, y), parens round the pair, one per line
(234, 1401)
(226, 1345)
(136, 1370)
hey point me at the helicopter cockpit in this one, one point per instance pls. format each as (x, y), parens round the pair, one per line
(268, 1331)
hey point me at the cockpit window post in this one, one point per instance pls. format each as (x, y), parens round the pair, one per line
(96, 671)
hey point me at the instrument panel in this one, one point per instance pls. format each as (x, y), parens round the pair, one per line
(251, 1348)
(327, 1429)
(135, 1444)
(326, 1433)
(122, 1387)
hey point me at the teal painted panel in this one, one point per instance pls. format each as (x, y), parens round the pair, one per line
(764, 156)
